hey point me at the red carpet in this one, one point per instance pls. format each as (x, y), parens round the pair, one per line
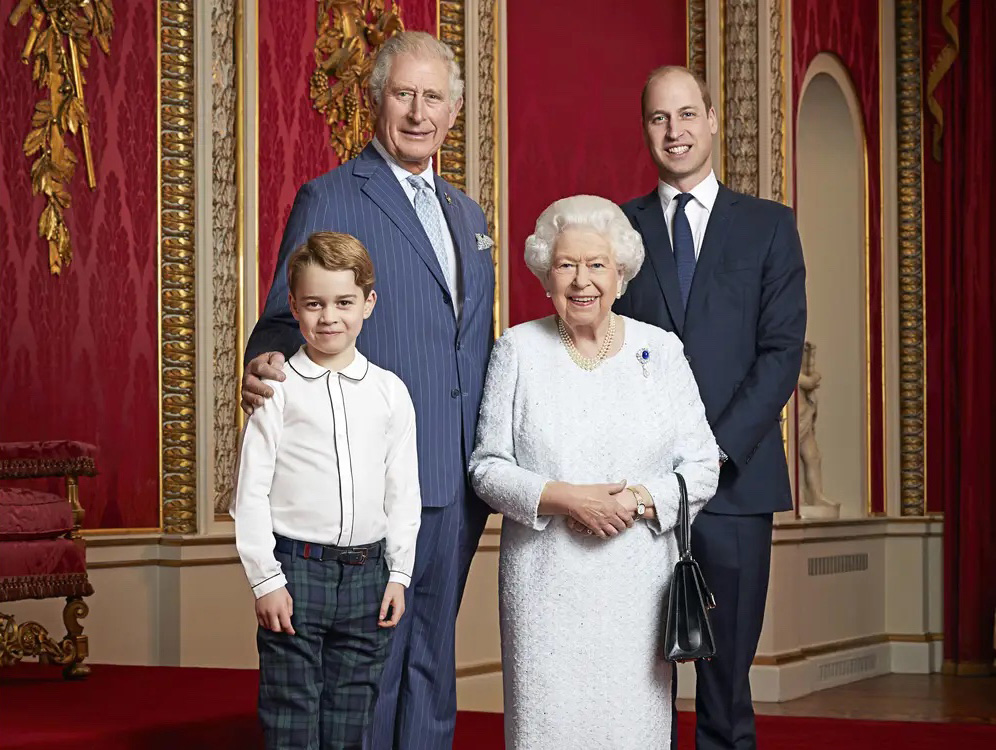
(153, 708)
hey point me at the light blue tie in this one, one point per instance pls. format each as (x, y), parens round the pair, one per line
(426, 206)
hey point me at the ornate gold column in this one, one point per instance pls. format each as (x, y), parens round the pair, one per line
(912, 383)
(740, 96)
(176, 256)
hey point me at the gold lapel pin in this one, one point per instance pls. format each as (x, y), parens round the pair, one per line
(448, 199)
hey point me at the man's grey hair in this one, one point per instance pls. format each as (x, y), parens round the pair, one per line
(416, 44)
(585, 212)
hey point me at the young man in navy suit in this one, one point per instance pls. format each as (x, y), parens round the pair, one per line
(725, 273)
(434, 329)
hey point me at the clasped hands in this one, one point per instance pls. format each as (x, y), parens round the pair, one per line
(602, 510)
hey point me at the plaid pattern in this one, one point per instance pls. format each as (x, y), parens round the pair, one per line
(317, 688)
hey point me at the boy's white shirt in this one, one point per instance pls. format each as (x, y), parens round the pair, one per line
(331, 459)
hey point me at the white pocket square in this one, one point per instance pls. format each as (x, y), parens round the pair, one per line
(484, 242)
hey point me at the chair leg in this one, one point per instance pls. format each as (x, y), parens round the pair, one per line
(75, 609)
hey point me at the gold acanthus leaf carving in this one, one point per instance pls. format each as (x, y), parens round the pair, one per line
(349, 34)
(58, 49)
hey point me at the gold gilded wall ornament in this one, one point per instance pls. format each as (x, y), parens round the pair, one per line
(59, 45)
(349, 34)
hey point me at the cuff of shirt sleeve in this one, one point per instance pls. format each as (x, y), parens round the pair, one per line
(270, 584)
(398, 577)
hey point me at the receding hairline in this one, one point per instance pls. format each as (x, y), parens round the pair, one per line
(665, 70)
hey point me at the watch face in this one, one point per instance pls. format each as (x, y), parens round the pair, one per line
(641, 508)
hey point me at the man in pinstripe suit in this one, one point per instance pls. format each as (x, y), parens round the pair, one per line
(433, 328)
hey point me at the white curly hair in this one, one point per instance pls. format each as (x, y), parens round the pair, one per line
(588, 212)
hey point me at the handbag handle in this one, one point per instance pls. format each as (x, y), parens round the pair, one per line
(684, 523)
(685, 536)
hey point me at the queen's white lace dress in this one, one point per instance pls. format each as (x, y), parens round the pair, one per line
(581, 616)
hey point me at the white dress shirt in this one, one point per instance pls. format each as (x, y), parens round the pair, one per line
(697, 209)
(402, 174)
(329, 459)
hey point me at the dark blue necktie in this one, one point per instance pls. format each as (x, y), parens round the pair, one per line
(684, 247)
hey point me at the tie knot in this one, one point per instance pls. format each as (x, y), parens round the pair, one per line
(683, 199)
(418, 183)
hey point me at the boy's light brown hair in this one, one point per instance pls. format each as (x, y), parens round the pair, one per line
(333, 251)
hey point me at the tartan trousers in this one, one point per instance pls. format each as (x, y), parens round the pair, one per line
(318, 687)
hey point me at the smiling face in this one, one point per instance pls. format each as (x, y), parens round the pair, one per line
(678, 129)
(584, 278)
(330, 309)
(415, 112)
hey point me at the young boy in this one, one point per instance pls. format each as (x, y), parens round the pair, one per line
(327, 509)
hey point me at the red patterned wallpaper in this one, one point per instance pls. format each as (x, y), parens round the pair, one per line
(293, 137)
(850, 30)
(78, 353)
(574, 87)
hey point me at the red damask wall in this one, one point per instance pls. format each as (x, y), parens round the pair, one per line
(293, 137)
(78, 353)
(850, 30)
(575, 72)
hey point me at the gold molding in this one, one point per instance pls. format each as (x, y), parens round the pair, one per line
(823, 649)
(489, 140)
(695, 11)
(160, 563)
(451, 29)
(227, 243)
(779, 102)
(475, 670)
(70, 25)
(349, 35)
(740, 96)
(178, 454)
(912, 338)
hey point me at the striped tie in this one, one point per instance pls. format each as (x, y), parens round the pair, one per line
(426, 208)
(684, 247)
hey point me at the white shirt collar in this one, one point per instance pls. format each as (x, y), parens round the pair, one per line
(399, 171)
(705, 192)
(304, 366)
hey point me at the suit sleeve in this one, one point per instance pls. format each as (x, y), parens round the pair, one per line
(781, 333)
(276, 330)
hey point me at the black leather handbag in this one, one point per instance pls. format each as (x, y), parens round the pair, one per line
(687, 632)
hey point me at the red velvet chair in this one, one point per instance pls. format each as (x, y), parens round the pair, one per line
(42, 554)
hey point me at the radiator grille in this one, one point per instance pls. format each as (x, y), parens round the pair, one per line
(833, 564)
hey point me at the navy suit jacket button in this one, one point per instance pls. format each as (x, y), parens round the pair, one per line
(455, 393)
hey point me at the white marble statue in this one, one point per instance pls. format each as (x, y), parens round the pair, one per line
(813, 503)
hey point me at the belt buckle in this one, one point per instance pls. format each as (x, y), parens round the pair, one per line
(357, 557)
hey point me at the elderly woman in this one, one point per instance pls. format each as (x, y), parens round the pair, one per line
(587, 417)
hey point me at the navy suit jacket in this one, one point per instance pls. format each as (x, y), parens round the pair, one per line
(743, 332)
(413, 331)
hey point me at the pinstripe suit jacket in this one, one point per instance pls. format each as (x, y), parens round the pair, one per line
(413, 330)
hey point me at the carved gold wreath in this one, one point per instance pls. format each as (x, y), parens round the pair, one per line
(349, 34)
(55, 26)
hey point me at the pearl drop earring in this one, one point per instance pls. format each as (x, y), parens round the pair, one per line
(548, 294)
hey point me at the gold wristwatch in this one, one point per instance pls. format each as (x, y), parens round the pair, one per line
(641, 506)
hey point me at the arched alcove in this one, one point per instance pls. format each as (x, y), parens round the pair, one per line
(831, 203)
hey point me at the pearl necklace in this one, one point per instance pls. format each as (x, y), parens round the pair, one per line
(588, 363)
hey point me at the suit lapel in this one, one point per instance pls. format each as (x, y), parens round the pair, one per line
(657, 242)
(384, 189)
(712, 247)
(463, 238)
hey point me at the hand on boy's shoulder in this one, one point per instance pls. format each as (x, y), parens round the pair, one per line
(268, 366)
